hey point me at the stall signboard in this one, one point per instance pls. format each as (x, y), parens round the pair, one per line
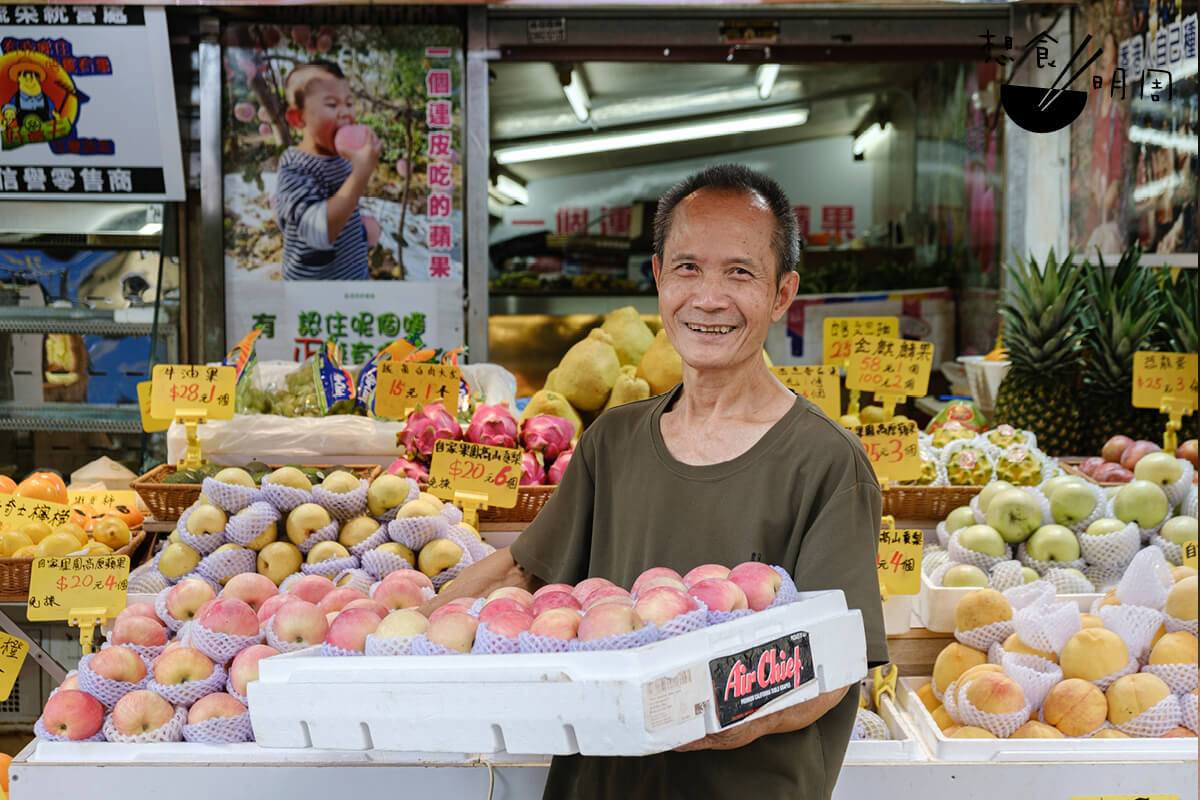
(492, 473)
(892, 449)
(393, 268)
(13, 650)
(57, 586)
(16, 511)
(892, 366)
(87, 104)
(1159, 376)
(177, 388)
(820, 384)
(401, 386)
(838, 334)
(899, 560)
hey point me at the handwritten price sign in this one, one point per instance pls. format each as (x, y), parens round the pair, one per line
(12, 656)
(150, 423)
(101, 500)
(820, 384)
(899, 561)
(892, 448)
(16, 511)
(57, 585)
(1157, 376)
(182, 388)
(892, 366)
(403, 385)
(494, 472)
(839, 333)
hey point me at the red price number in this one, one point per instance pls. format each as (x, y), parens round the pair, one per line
(890, 452)
(191, 393)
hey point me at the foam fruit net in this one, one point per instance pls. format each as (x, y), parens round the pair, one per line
(284, 498)
(416, 532)
(1048, 626)
(224, 565)
(1002, 725)
(229, 497)
(1180, 677)
(185, 694)
(39, 730)
(171, 731)
(1036, 675)
(1147, 580)
(358, 579)
(963, 555)
(1136, 625)
(869, 725)
(326, 534)
(383, 646)
(1114, 549)
(488, 643)
(621, 641)
(343, 506)
(1030, 594)
(1006, 575)
(250, 523)
(220, 730)
(985, 636)
(379, 563)
(531, 643)
(330, 567)
(220, 647)
(1154, 721)
(108, 692)
(1189, 713)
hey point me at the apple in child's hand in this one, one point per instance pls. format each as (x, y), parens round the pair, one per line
(1053, 543)
(216, 705)
(1136, 452)
(351, 137)
(558, 623)
(759, 581)
(351, 627)
(141, 711)
(1189, 451)
(719, 594)
(1115, 447)
(245, 667)
(300, 622)
(73, 714)
(965, 575)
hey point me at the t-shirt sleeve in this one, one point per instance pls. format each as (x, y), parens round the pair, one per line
(839, 551)
(557, 545)
(300, 207)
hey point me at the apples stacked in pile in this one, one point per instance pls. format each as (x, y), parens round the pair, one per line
(1120, 455)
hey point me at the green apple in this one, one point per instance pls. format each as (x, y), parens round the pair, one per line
(235, 475)
(982, 539)
(991, 490)
(1161, 469)
(1072, 503)
(1179, 530)
(1015, 514)
(960, 517)
(1105, 525)
(1048, 488)
(1053, 543)
(1142, 502)
(965, 575)
(1029, 574)
(290, 476)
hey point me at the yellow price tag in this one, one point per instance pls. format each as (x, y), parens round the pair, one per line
(16, 511)
(150, 423)
(839, 333)
(1157, 376)
(103, 499)
(1190, 550)
(900, 560)
(179, 388)
(892, 448)
(13, 650)
(820, 384)
(891, 366)
(493, 472)
(58, 585)
(403, 385)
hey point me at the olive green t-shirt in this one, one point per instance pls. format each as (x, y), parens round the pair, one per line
(804, 497)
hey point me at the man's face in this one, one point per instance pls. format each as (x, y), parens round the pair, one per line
(328, 105)
(717, 292)
(29, 83)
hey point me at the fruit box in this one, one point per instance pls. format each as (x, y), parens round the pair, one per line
(936, 604)
(944, 748)
(903, 746)
(623, 702)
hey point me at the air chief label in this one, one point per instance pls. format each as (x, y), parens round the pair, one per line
(745, 682)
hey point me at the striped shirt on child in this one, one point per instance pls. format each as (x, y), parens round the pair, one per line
(306, 182)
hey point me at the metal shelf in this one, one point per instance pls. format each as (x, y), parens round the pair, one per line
(70, 417)
(82, 321)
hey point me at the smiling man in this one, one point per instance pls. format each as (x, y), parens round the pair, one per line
(728, 466)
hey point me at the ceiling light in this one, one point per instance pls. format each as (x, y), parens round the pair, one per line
(645, 137)
(150, 229)
(509, 191)
(870, 137)
(765, 80)
(577, 96)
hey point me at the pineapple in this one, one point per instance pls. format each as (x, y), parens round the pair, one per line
(1019, 466)
(1043, 330)
(1179, 322)
(970, 466)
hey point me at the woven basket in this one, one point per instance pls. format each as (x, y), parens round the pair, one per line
(14, 572)
(1071, 467)
(933, 503)
(530, 500)
(168, 501)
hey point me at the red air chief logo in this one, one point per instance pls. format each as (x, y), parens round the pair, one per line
(745, 682)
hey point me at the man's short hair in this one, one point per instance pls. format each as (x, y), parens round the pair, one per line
(296, 83)
(736, 178)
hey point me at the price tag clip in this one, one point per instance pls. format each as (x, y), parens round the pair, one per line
(86, 619)
(190, 419)
(1176, 408)
(890, 400)
(884, 684)
(471, 503)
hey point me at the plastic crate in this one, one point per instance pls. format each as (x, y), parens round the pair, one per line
(936, 604)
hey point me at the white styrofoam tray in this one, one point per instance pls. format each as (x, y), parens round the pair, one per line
(903, 746)
(625, 702)
(936, 604)
(944, 748)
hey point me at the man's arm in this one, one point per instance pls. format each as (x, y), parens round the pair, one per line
(789, 719)
(483, 577)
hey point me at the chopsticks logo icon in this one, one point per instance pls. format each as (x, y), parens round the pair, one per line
(1039, 110)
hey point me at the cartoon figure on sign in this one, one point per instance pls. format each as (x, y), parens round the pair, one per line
(41, 102)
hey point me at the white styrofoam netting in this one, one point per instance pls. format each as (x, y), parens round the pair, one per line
(171, 731)
(220, 730)
(343, 506)
(1154, 721)
(330, 567)
(284, 498)
(187, 693)
(250, 523)
(220, 647)
(229, 497)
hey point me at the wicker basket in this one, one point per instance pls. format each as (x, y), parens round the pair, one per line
(14, 572)
(168, 501)
(1071, 467)
(530, 500)
(933, 503)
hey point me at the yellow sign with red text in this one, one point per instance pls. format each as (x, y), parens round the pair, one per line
(59, 585)
(838, 335)
(892, 448)
(890, 366)
(403, 385)
(1159, 376)
(821, 384)
(186, 388)
(477, 469)
(899, 560)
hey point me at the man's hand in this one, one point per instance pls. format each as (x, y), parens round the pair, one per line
(789, 719)
(482, 578)
(730, 739)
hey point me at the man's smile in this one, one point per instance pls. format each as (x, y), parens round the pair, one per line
(711, 330)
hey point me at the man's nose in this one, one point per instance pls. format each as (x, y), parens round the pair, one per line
(711, 294)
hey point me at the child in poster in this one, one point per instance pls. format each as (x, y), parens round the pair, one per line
(316, 200)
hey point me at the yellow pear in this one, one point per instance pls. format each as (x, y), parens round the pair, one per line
(469, 530)
(324, 551)
(551, 402)
(631, 337)
(432, 499)
(551, 380)
(438, 555)
(628, 388)
(28, 551)
(397, 549)
(357, 531)
(58, 544)
(12, 541)
(588, 371)
(417, 508)
(177, 560)
(661, 366)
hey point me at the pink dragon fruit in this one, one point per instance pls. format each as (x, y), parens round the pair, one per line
(548, 435)
(426, 426)
(554, 475)
(532, 473)
(493, 425)
(409, 469)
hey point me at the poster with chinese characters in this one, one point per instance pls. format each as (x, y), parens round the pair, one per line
(68, 127)
(358, 240)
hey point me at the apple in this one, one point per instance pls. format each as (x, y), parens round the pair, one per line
(229, 615)
(608, 619)
(118, 664)
(508, 623)
(304, 520)
(1111, 473)
(1142, 502)
(655, 572)
(385, 493)
(454, 606)
(1189, 451)
(1014, 514)
(251, 588)
(350, 629)
(412, 576)
(177, 560)
(438, 556)
(357, 531)
(1179, 530)
(719, 594)
(982, 539)
(379, 608)
(513, 592)
(290, 476)
(502, 605)
(182, 665)
(1115, 447)
(139, 631)
(960, 517)
(339, 598)
(1162, 469)
(145, 610)
(418, 508)
(1053, 543)
(588, 585)
(1104, 526)
(341, 482)
(1136, 452)
(185, 598)
(279, 560)
(397, 549)
(760, 583)
(607, 594)
(311, 588)
(454, 631)
(1089, 465)
(272, 604)
(1029, 575)
(402, 623)
(662, 604)
(660, 581)
(399, 594)
(1072, 503)
(205, 520)
(557, 623)
(141, 711)
(554, 587)
(217, 705)
(1051, 486)
(326, 551)
(984, 498)
(555, 600)
(705, 572)
(965, 575)
(73, 714)
(300, 622)
(244, 668)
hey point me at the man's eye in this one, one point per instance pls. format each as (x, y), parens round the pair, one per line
(687, 266)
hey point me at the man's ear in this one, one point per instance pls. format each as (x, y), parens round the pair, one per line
(295, 118)
(789, 284)
(655, 268)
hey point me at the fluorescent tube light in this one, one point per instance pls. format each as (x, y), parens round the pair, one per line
(665, 134)
(510, 190)
(577, 96)
(765, 80)
(870, 137)
(150, 228)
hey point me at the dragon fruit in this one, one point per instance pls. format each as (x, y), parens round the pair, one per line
(493, 425)
(547, 435)
(409, 469)
(425, 426)
(555, 473)
(532, 473)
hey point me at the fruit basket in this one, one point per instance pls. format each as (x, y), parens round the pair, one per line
(926, 502)
(530, 500)
(14, 572)
(168, 501)
(1071, 467)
